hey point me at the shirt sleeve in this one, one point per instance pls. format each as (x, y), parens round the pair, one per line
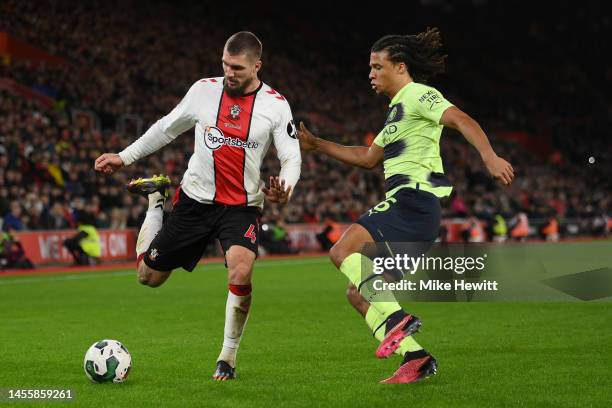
(430, 104)
(288, 148)
(165, 130)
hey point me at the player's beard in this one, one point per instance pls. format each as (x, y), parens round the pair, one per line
(236, 92)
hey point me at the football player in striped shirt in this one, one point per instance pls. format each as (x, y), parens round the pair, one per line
(236, 117)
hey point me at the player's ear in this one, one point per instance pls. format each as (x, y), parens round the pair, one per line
(402, 68)
(258, 65)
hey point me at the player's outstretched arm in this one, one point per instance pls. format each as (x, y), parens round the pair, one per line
(162, 132)
(108, 162)
(360, 156)
(499, 168)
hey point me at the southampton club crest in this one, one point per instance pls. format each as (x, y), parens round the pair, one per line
(235, 111)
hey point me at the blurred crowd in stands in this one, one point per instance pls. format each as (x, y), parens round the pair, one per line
(525, 77)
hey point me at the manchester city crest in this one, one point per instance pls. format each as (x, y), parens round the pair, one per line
(395, 114)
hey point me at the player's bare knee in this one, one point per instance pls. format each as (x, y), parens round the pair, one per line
(157, 278)
(240, 274)
(240, 265)
(152, 283)
(337, 254)
(150, 277)
(143, 274)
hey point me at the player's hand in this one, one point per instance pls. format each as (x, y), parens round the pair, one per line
(108, 162)
(308, 141)
(277, 193)
(499, 169)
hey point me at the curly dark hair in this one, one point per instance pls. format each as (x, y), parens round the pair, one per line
(419, 52)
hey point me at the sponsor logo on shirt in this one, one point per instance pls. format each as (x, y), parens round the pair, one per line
(431, 97)
(215, 139)
(231, 125)
(389, 130)
(291, 129)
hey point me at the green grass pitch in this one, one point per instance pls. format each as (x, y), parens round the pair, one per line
(304, 346)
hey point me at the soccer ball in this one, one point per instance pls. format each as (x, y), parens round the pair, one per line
(106, 361)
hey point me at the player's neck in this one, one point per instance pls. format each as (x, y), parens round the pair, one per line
(253, 86)
(398, 87)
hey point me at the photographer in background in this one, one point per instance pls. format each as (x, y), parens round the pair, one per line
(85, 244)
(12, 254)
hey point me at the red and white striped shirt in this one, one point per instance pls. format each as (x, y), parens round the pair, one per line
(232, 136)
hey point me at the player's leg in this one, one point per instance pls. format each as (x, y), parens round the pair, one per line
(416, 364)
(156, 190)
(238, 234)
(151, 277)
(181, 241)
(376, 321)
(240, 267)
(409, 225)
(347, 255)
(356, 300)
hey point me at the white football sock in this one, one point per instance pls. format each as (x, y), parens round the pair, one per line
(236, 315)
(152, 223)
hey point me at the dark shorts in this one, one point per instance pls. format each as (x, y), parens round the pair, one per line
(410, 216)
(191, 226)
